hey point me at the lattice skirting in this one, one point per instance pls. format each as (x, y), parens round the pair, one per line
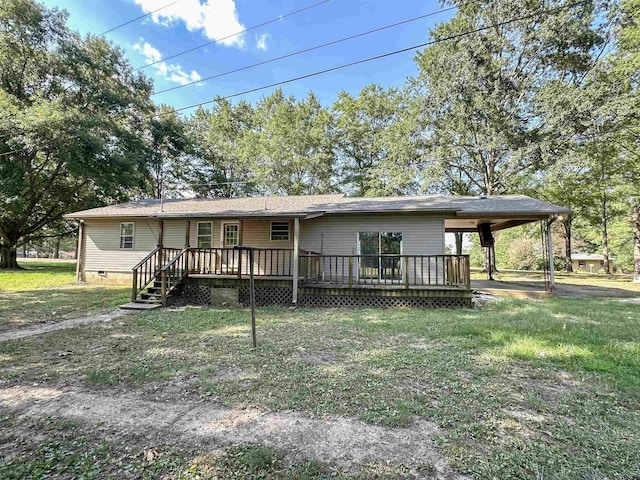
(196, 294)
(381, 302)
(267, 296)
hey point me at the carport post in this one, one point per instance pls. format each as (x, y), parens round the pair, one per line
(552, 276)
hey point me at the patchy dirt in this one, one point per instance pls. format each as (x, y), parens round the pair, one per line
(76, 322)
(342, 442)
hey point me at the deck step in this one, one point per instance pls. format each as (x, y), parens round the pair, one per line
(140, 306)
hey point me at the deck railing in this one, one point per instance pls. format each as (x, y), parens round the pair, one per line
(267, 262)
(146, 271)
(380, 270)
(172, 273)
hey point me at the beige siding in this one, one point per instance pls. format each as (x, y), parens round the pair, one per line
(331, 235)
(102, 250)
(338, 235)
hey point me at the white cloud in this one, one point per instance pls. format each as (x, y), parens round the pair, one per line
(217, 19)
(261, 41)
(169, 71)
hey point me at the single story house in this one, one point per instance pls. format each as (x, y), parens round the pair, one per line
(305, 250)
(589, 262)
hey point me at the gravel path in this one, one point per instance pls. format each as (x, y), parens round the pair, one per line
(40, 329)
(344, 442)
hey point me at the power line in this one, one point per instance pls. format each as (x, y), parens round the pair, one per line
(273, 20)
(384, 55)
(139, 18)
(306, 50)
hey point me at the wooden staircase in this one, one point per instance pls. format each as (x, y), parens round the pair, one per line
(156, 279)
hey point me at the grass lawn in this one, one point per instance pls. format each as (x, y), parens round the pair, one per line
(46, 292)
(519, 389)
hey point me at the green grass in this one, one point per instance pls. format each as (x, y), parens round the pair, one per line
(520, 389)
(38, 274)
(46, 292)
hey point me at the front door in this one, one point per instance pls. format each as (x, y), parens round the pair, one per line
(230, 258)
(380, 256)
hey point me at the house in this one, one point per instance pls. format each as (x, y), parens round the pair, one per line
(325, 250)
(589, 262)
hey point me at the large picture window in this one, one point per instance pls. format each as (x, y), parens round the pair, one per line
(380, 255)
(280, 230)
(230, 234)
(205, 234)
(126, 235)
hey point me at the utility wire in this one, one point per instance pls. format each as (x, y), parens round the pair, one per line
(139, 18)
(273, 20)
(306, 50)
(384, 55)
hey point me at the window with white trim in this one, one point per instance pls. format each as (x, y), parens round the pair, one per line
(230, 234)
(280, 230)
(205, 234)
(126, 235)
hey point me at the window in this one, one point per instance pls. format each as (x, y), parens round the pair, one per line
(126, 235)
(205, 234)
(280, 230)
(380, 255)
(230, 234)
(582, 264)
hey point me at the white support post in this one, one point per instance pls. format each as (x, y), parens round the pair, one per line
(296, 250)
(552, 275)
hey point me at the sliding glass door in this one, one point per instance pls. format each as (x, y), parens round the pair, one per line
(386, 264)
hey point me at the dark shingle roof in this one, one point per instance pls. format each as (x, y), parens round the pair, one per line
(498, 205)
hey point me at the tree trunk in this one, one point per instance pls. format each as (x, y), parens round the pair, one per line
(566, 223)
(458, 243)
(8, 257)
(606, 265)
(56, 248)
(635, 222)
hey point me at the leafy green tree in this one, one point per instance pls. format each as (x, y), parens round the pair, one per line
(376, 142)
(72, 109)
(290, 146)
(221, 165)
(167, 146)
(478, 91)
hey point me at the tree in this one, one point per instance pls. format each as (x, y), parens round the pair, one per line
(376, 141)
(167, 145)
(478, 90)
(220, 166)
(290, 146)
(72, 109)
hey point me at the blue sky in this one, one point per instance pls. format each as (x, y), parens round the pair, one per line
(189, 23)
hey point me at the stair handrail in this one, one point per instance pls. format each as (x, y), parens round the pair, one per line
(140, 282)
(172, 273)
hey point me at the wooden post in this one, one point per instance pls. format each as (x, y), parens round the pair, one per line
(79, 256)
(187, 245)
(406, 272)
(296, 258)
(350, 272)
(160, 243)
(163, 287)
(134, 287)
